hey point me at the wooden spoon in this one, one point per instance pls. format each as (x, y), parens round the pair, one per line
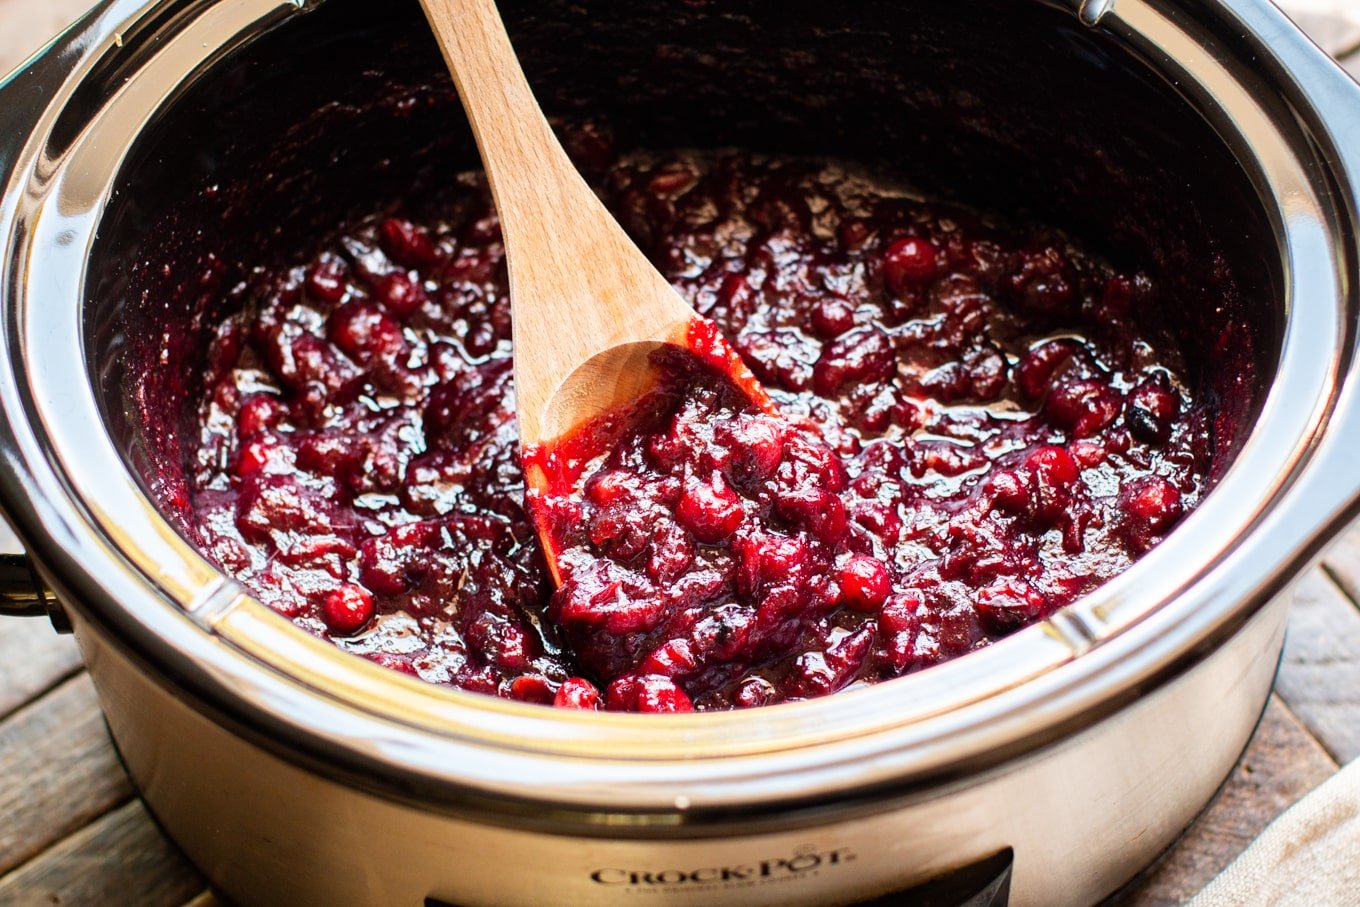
(587, 306)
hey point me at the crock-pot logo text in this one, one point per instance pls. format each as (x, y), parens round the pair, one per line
(802, 862)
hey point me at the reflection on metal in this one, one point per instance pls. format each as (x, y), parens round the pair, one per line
(1092, 11)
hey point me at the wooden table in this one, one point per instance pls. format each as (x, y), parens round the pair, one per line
(72, 830)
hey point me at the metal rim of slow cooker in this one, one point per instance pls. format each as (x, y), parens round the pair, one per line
(119, 564)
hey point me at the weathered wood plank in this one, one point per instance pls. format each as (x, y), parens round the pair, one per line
(1320, 675)
(33, 658)
(1282, 763)
(120, 859)
(57, 771)
(1352, 65)
(1342, 559)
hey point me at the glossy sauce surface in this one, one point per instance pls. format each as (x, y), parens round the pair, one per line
(976, 426)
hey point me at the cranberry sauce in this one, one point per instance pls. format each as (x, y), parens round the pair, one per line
(976, 425)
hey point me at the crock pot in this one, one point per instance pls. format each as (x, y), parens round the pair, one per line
(1049, 768)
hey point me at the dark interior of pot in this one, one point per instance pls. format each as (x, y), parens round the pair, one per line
(1011, 108)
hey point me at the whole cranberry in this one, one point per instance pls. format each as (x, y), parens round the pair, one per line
(864, 583)
(1153, 407)
(258, 412)
(1055, 465)
(1007, 490)
(326, 279)
(753, 692)
(756, 446)
(407, 243)
(648, 693)
(1152, 504)
(818, 512)
(401, 295)
(898, 626)
(833, 317)
(577, 693)
(532, 688)
(909, 263)
(709, 510)
(347, 609)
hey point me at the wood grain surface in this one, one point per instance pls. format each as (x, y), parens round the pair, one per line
(71, 832)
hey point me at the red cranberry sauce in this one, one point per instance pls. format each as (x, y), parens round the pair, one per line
(976, 426)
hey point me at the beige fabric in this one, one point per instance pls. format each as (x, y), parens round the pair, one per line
(1310, 856)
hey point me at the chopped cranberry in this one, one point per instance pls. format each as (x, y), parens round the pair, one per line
(898, 625)
(1008, 604)
(910, 262)
(577, 693)
(1083, 407)
(1117, 299)
(347, 609)
(611, 487)
(261, 454)
(589, 145)
(972, 427)
(364, 332)
(1036, 370)
(1039, 284)
(756, 446)
(853, 233)
(819, 512)
(864, 583)
(863, 356)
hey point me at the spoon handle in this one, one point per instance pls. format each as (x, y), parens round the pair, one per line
(578, 285)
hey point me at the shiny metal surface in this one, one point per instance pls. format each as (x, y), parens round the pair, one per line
(250, 820)
(1029, 741)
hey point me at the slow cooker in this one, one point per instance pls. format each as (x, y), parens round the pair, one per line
(1049, 768)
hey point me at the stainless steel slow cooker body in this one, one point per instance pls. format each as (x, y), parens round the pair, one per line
(1068, 755)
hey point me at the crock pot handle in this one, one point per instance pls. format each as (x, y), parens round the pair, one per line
(22, 593)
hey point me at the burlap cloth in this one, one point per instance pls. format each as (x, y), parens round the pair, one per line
(1309, 856)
